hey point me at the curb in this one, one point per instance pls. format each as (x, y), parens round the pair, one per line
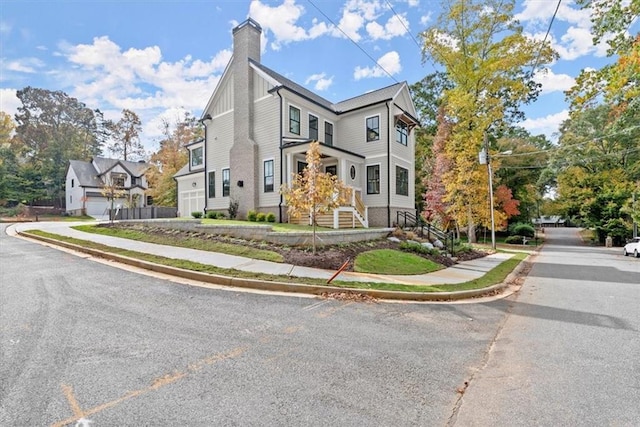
(275, 286)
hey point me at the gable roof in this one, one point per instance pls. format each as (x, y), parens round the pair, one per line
(136, 169)
(369, 98)
(86, 173)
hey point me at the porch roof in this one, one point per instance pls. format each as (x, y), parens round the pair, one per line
(326, 149)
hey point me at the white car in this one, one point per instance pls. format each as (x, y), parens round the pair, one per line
(632, 247)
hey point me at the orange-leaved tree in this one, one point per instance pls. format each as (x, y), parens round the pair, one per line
(313, 192)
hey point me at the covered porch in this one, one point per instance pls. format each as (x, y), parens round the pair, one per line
(347, 166)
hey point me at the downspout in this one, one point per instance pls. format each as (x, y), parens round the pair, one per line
(281, 154)
(206, 174)
(388, 165)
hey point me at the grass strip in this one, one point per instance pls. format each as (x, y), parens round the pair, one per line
(492, 277)
(191, 243)
(389, 261)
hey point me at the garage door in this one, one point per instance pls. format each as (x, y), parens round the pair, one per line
(96, 206)
(191, 201)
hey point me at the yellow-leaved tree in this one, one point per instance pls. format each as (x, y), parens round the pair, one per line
(488, 61)
(313, 192)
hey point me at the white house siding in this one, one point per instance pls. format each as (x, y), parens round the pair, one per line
(267, 136)
(191, 195)
(74, 193)
(219, 142)
(307, 107)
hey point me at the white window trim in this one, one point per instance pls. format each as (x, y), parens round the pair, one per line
(366, 139)
(289, 119)
(273, 159)
(366, 179)
(324, 134)
(309, 124)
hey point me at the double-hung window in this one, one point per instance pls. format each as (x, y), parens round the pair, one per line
(118, 179)
(402, 132)
(226, 182)
(313, 127)
(294, 120)
(328, 133)
(197, 158)
(268, 176)
(402, 181)
(373, 179)
(373, 128)
(212, 184)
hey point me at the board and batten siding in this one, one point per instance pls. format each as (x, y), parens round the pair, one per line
(219, 142)
(266, 134)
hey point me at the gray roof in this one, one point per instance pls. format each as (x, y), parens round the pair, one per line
(185, 171)
(85, 172)
(136, 169)
(369, 98)
(88, 175)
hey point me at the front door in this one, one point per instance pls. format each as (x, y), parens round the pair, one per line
(333, 169)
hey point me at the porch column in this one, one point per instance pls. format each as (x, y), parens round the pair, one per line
(288, 167)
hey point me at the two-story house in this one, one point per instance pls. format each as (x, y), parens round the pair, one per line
(259, 124)
(85, 185)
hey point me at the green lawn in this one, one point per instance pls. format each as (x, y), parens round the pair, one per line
(389, 261)
(494, 276)
(194, 243)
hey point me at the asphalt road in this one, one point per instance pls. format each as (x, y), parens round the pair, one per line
(569, 353)
(85, 343)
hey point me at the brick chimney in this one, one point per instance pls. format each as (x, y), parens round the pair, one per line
(244, 162)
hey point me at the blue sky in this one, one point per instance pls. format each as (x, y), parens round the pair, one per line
(159, 58)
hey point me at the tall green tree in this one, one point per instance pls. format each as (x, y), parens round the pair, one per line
(488, 60)
(125, 141)
(53, 128)
(171, 156)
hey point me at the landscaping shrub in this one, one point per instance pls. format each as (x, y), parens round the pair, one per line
(261, 217)
(522, 229)
(418, 248)
(196, 214)
(514, 240)
(252, 216)
(233, 209)
(271, 217)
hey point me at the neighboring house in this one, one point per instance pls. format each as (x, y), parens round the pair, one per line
(259, 124)
(86, 181)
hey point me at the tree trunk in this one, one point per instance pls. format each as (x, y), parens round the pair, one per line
(471, 228)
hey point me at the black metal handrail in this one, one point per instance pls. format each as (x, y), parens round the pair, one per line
(412, 219)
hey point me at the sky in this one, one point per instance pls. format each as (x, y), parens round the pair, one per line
(160, 58)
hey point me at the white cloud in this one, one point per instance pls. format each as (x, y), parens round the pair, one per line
(9, 102)
(321, 82)
(24, 65)
(282, 22)
(5, 27)
(552, 82)
(547, 125)
(425, 19)
(138, 78)
(538, 13)
(388, 63)
(396, 26)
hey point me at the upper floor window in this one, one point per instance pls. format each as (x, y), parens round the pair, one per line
(402, 181)
(72, 182)
(294, 120)
(402, 132)
(373, 128)
(226, 182)
(313, 127)
(373, 179)
(328, 133)
(212, 184)
(118, 179)
(197, 158)
(268, 176)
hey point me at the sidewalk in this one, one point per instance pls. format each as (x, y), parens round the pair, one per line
(459, 273)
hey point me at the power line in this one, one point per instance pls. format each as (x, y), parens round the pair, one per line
(353, 41)
(535, 64)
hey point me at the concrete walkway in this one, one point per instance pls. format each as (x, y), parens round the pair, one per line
(459, 273)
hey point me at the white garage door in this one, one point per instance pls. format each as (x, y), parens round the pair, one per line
(96, 206)
(191, 201)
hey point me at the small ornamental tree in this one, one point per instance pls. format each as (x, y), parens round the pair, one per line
(112, 192)
(313, 192)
